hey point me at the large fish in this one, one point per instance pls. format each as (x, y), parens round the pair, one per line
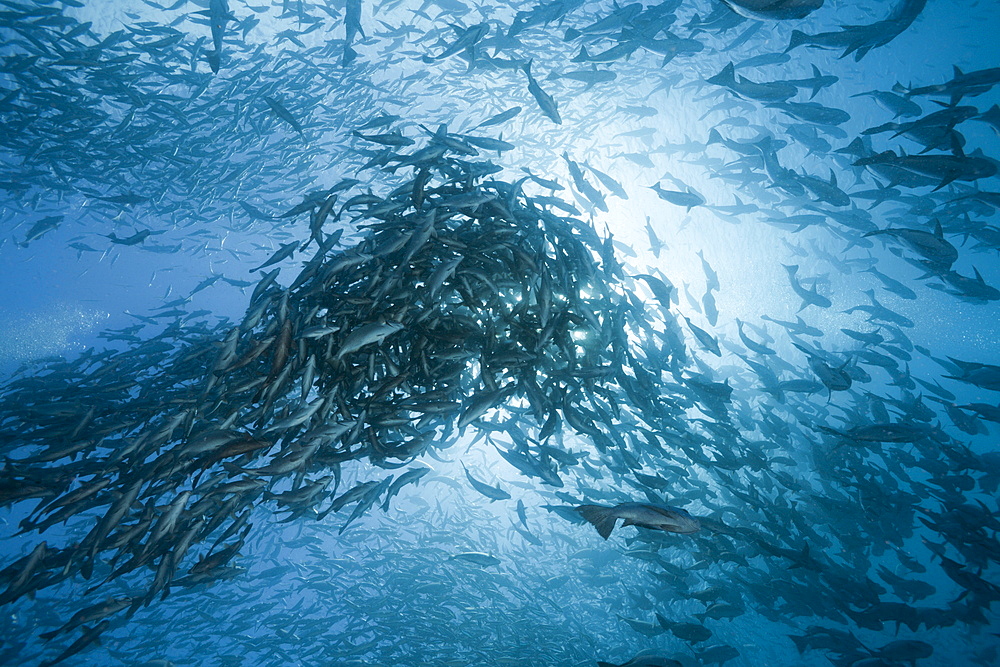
(645, 515)
(774, 9)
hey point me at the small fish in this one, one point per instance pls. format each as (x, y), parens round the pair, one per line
(491, 492)
(284, 252)
(546, 102)
(281, 112)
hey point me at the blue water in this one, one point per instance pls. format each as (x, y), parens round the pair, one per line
(387, 591)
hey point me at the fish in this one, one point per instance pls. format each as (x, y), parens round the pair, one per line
(688, 199)
(91, 635)
(500, 118)
(654, 517)
(477, 558)
(367, 334)
(644, 660)
(281, 112)
(41, 227)
(219, 15)
(547, 103)
(932, 246)
(466, 39)
(134, 239)
(352, 28)
(809, 297)
(859, 40)
(779, 10)
(285, 251)
(492, 492)
(775, 91)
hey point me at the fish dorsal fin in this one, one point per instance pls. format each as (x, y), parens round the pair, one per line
(938, 232)
(956, 146)
(816, 72)
(958, 72)
(833, 178)
(979, 277)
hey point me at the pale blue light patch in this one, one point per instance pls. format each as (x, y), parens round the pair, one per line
(41, 333)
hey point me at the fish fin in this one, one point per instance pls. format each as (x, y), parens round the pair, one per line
(945, 181)
(727, 77)
(798, 38)
(603, 518)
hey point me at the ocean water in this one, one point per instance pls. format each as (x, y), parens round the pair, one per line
(532, 366)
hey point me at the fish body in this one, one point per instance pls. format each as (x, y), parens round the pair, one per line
(547, 103)
(218, 16)
(774, 10)
(773, 91)
(284, 114)
(491, 492)
(809, 297)
(367, 334)
(352, 28)
(283, 253)
(477, 558)
(688, 199)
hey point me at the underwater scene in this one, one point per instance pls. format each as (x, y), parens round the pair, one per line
(481, 333)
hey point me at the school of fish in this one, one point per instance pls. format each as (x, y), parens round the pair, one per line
(450, 378)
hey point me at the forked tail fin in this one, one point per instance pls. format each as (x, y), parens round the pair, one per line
(798, 38)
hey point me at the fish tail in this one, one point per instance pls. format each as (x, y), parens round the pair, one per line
(798, 38)
(603, 518)
(727, 77)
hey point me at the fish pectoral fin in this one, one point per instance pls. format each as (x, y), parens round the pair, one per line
(603, 518)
